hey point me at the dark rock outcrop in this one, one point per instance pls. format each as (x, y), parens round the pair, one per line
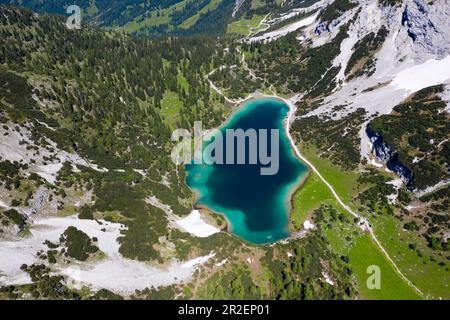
(387, 155)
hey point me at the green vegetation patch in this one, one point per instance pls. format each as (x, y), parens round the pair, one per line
(428, 271)
(230, 285)
(336, 140)
(362, 61)
(363, 254)
(14, 216)
(245, 26)
(78, 244)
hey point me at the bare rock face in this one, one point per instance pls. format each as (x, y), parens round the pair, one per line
(321, 28)
(238, 4)
(428, 27)
(386, 155)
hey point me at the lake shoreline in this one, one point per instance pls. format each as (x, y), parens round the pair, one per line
(287, 125)
(289, 191)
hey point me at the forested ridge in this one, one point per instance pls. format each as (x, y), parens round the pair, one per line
(110, 77)
(144, 17)
(418, 130)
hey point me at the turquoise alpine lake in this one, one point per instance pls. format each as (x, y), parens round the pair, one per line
(256, 206)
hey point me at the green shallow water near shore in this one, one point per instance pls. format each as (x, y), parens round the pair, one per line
(256, 206)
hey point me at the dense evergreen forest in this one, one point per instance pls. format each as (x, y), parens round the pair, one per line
(114, 100)
(105, 12)
(156, 18)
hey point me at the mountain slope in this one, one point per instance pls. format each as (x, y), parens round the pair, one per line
(80, 105)
(90, 202)
(370, 81)
(157, 18)
(86, 137)
(149, 17)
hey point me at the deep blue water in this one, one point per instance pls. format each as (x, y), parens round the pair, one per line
(256, 206)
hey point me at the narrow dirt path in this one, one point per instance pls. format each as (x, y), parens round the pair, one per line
(364, 223)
